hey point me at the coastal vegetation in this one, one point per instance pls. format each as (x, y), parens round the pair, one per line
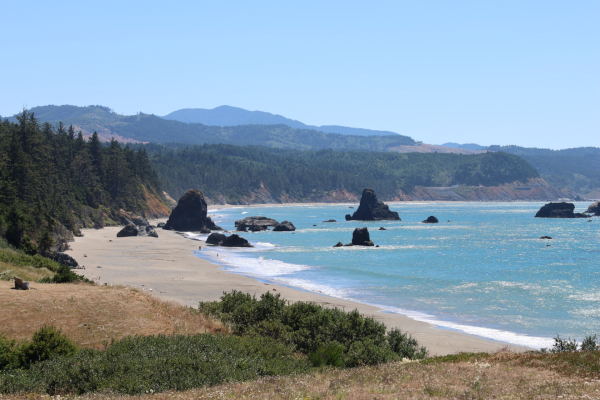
(54, 182)
(577, 169)
(233, 172)
(270, 338)
(329, 336)
(15, 262)
(234, 348)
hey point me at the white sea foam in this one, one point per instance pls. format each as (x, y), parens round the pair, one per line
(535, 342)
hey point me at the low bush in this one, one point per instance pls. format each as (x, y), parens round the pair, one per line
(561, 345)
(47, 342)
(310, 328)
(65, 275)
(138, 365)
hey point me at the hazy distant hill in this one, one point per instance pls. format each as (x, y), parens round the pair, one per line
(150, 128)
(232, 116)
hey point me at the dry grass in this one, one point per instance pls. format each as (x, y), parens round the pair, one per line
(27, 273)
(499, 377)
(92, 315)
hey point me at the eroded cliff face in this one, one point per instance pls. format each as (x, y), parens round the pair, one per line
(532, 190)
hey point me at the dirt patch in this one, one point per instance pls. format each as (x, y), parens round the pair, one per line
(94, 315)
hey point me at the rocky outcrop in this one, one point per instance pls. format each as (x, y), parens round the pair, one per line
(148, 231)
(128, 230)
(235, 241)
(257, 221)
(216, 239)
(330, 220)
(594, 208)
(65, 259)
(251, 228)
(126, 218)
(219, 239)
(285, 226)
(190, 214)
(431, 220)
(559, 210)
(361, 237)
(339, 244)
(372, 210)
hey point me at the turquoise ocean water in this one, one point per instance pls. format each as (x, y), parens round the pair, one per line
(482, 270)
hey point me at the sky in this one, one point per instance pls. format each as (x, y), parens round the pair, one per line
(489, 72)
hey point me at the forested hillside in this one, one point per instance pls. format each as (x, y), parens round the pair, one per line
(150, 128)
(54, 182)
(577, 169)
(290, 175)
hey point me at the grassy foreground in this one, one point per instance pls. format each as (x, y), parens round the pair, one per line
(264, 363)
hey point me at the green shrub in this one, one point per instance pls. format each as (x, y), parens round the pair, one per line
(330, 354)
(7, 352)
(309, 328)
(65, 275)
(47, 342)
(590, 343)
(137, 365)
(563, 345)
(405, 345)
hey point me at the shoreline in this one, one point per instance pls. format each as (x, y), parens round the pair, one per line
(168, 267)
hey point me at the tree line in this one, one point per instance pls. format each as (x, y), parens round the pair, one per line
(233, 171)
(52, 179)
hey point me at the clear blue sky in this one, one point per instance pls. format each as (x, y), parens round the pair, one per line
(490, 72)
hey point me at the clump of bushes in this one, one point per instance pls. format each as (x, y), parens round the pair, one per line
(47, 342)
(137, 365)
(328, 336)
(561, 345)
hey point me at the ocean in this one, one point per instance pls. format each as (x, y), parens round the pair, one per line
(482, 270)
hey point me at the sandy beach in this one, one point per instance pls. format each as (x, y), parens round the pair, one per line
(167, 267)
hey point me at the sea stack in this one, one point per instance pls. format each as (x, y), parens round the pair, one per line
(594, 209)
(190, 214)
(559, 210)
(361, 237)
(372, 210)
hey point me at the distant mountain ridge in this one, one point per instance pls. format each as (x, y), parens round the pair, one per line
(151, 128)
(233, 116)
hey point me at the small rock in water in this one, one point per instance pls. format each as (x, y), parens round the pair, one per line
(339, 244)
(545, 237)
(382, 228)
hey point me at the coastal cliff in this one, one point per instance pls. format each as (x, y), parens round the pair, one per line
(532, 190)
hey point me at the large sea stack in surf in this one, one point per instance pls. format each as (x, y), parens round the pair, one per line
(559, 210)
(190, 214)
(372, 210)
